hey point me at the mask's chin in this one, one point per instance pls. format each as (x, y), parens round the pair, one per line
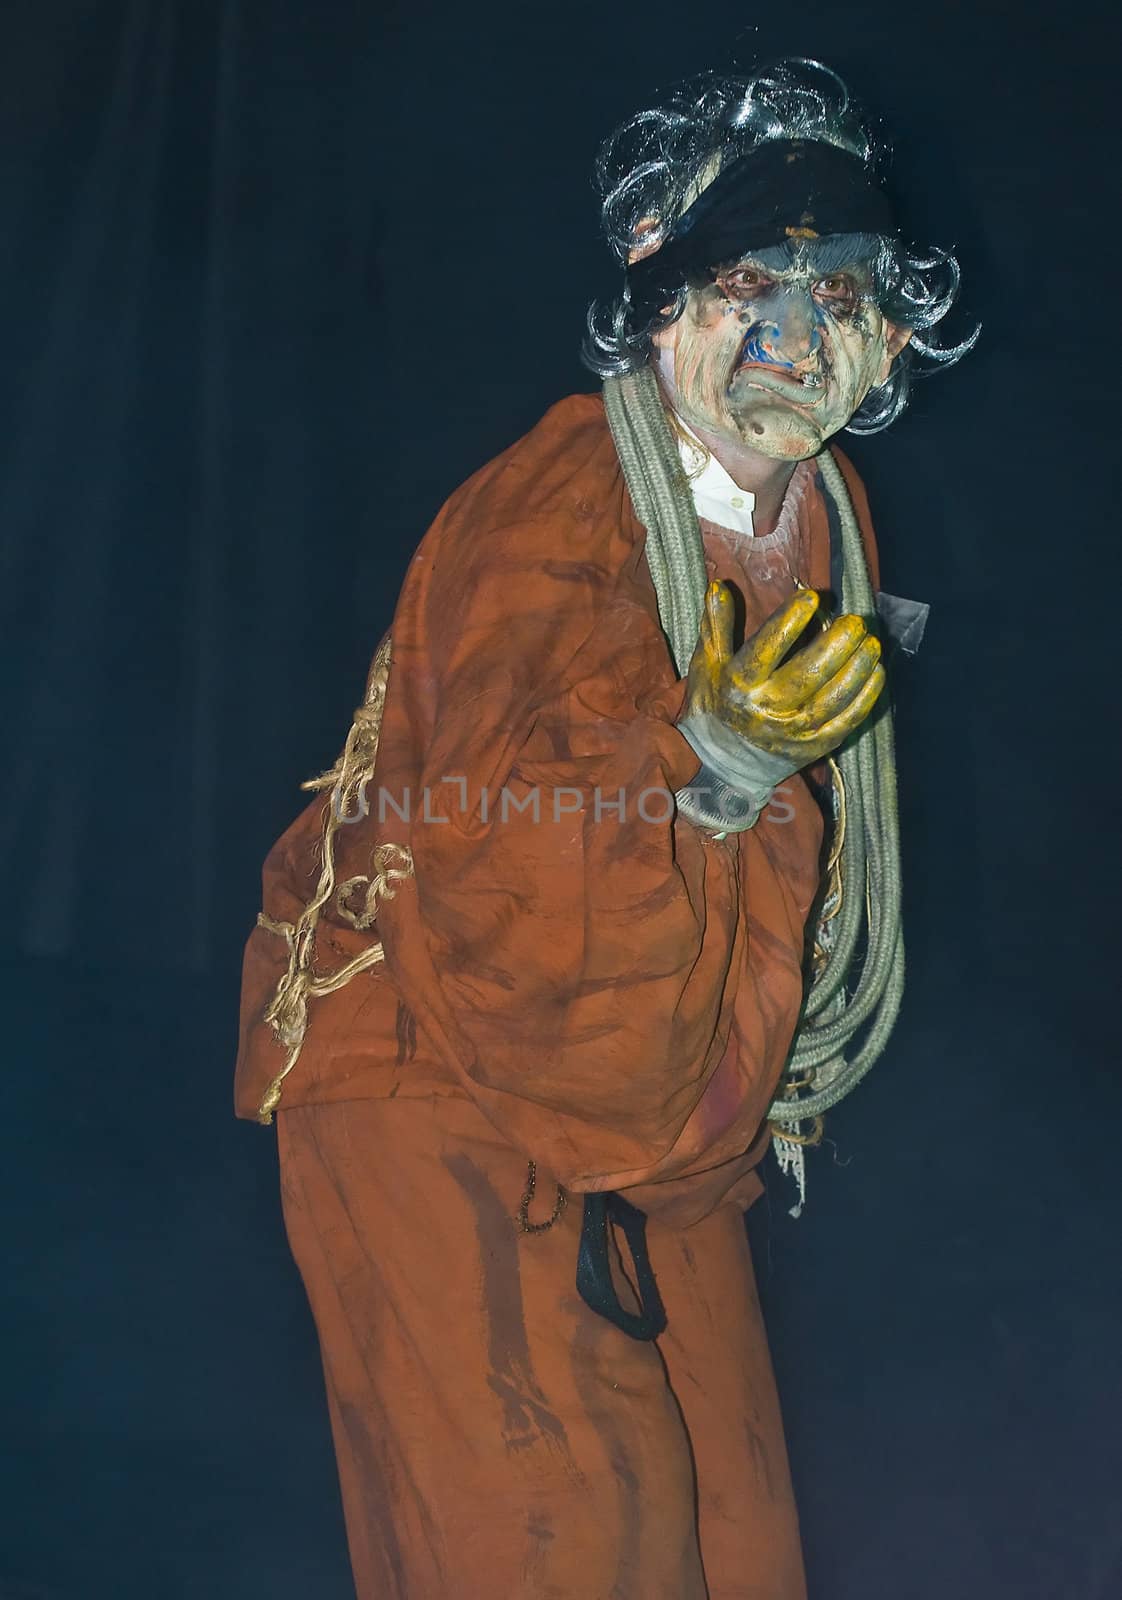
(775, 430)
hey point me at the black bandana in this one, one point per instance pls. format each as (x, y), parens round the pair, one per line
(783, 189)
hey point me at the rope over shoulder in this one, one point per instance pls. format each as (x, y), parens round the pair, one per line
(857, 979)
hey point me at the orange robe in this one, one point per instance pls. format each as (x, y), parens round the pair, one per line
(572, 976)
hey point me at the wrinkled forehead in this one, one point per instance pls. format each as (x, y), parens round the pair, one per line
(819, 256)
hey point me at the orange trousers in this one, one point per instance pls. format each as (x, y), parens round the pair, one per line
(494, 1436)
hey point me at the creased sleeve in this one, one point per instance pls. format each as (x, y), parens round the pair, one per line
(347, 1034)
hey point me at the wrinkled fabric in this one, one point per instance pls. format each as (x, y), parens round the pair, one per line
(617, 995)
(601, 989)
(495, 1436)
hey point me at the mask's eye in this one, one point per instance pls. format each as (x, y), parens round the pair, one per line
(838, 289)
(743, 283)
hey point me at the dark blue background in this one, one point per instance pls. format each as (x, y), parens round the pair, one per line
(275, 278)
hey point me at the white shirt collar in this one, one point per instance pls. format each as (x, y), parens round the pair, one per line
(716, 495)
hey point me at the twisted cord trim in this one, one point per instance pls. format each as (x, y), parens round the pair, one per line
(391, 864)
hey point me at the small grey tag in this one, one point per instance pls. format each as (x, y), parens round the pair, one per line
(904, 620)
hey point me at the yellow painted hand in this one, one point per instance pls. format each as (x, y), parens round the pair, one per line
(802, 708)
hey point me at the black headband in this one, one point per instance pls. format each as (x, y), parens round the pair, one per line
(783, 189)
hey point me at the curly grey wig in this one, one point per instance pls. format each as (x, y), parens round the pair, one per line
(655, 165)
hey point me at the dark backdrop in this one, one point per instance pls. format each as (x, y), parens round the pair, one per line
(275, 278)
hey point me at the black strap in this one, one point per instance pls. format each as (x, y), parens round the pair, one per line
(779, 190)
(594, 1276)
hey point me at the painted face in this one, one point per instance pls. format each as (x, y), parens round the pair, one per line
(779, 349)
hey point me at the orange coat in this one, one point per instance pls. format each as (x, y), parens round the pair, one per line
(617, 995)
(602, 989)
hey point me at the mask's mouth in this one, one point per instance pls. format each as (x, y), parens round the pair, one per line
(806, 389)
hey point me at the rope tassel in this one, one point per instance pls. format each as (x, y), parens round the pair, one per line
(287, 1014)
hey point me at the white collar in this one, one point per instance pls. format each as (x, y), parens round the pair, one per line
(716, 495)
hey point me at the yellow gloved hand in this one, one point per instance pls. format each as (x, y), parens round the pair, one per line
(802, 709)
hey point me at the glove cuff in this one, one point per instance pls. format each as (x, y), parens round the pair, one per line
(736, 780)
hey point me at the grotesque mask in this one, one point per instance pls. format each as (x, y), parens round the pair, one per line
(777, 350)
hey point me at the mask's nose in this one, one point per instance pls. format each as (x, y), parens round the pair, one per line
(789, 336)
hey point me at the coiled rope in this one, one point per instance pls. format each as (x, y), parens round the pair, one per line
(859, 981)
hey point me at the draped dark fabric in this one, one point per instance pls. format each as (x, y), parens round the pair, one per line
(274, 278)
(193, 304)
